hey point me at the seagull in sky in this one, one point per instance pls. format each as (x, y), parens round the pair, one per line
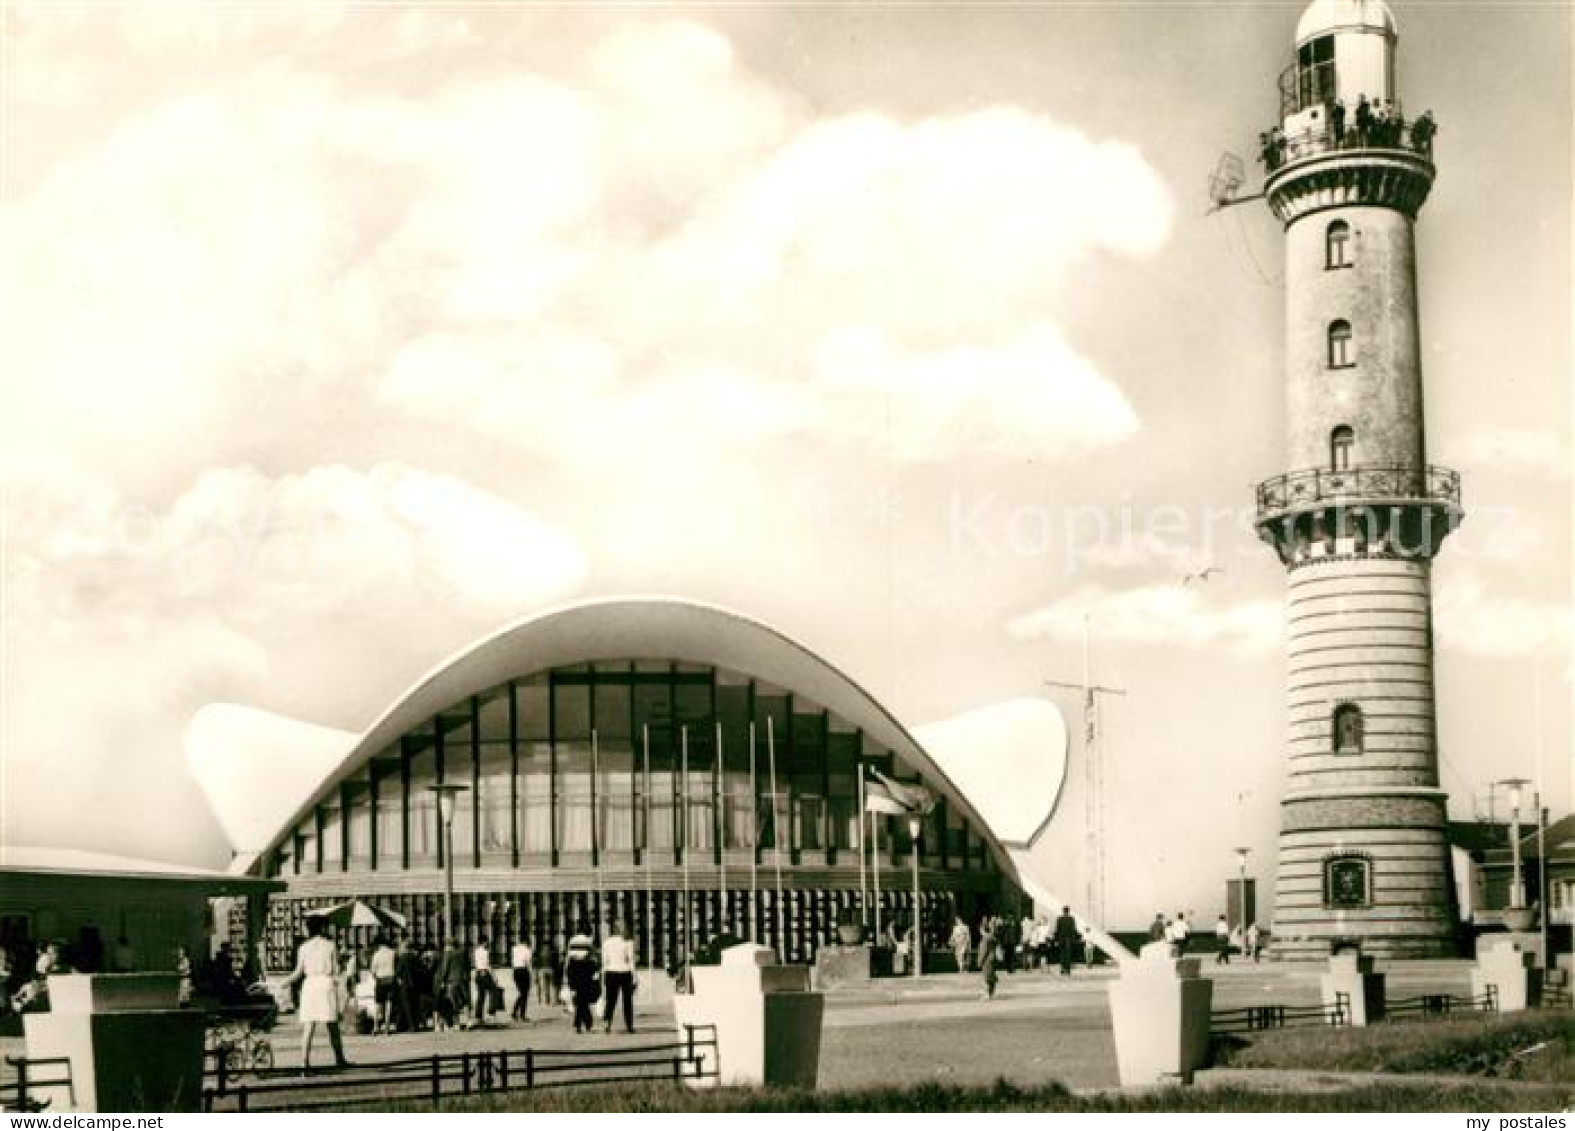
(1202, 575)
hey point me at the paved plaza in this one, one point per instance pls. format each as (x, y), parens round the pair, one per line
(1040, 1027)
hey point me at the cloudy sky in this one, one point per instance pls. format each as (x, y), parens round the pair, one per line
(338, 335)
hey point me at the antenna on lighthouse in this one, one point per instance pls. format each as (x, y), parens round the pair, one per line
(1225, 181)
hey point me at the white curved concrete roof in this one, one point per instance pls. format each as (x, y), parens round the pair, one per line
(636, 628)
(248, 762)
(1010, 758)
(1325, 16)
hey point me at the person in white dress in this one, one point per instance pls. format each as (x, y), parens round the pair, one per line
(317, 971)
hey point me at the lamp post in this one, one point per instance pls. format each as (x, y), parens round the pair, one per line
(1517, 887)
(1241, 889)
(446, 792)
(915, 824)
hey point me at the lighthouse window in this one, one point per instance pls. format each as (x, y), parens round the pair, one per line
(1338, 245)
(1341, 440)
(1347, 729)
(1342, 354)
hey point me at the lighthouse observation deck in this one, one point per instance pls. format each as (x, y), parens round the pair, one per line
(1383, 132)
(1370, 485)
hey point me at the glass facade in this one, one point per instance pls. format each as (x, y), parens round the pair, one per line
(645, 768)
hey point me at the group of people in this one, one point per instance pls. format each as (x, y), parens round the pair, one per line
(24, 974)
(1377, 125)
(1228, 940)
(25, 967)
(1029, 943)
(458, 988)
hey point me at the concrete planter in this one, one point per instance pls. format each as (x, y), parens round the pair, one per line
(1159, 1010)
(767, 1020)
(1511, 971)
(1351, 976)
(1519, 918)
(130, 1047)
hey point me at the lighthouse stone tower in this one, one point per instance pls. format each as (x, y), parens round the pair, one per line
(1359, 515)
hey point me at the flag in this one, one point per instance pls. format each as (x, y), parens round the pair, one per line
(878, 799)
(900, 800)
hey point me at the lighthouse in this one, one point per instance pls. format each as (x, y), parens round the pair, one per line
(1358, 514)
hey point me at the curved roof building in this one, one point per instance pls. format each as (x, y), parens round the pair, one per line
(670, 764)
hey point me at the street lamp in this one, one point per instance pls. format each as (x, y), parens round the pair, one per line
(446, 793)
(1517, 887)
(1241, 889)
(915, 824)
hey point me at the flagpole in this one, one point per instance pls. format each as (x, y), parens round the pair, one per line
(776, 837)
(683, 808)
(754, 840)
(596, 839)
(721, 823)
(914, 828)
(650, 897)
(864, 895)
(874, 860)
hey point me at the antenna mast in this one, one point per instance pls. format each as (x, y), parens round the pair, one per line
(1094, 780)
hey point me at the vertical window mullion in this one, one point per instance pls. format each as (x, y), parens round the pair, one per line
(514, 775)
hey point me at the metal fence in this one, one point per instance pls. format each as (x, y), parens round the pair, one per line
(1254, 1018)
(1430, 1005)
(36, 1075)
(413, 1080)
(448, 1075)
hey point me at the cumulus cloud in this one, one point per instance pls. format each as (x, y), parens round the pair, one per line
(1157, 615)
(533, 250)
(256, 547)
(254, 255)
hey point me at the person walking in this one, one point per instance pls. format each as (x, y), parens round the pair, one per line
(453, 980)
(1158, 930)
(987, 949)
(484, 984)
(407, 980)
(1222, 939)
(618, 974)
(962, 942)
(317, 973)
(383, 964)
(546, 958)
(1254, 941)
(520, 962)
(581, 975)
(1066, 940)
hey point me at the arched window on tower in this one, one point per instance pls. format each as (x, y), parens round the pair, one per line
(1348, 729)
(1337, 245)
(1341, 440)
(1342, 353)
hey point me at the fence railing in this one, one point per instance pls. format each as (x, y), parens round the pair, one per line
(1441, 1004)
(20, 1095)
(1376, 482)
(1278, 150)
(1255, 1018)
(447, 1075)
